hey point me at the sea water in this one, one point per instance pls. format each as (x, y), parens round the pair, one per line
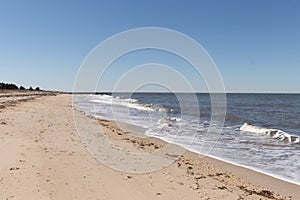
(260, 132)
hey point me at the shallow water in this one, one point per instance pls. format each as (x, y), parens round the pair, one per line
(185, 121)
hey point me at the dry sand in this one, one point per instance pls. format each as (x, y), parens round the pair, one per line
(42, 156)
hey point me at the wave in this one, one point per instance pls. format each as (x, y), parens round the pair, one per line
(274, 133)
(129, 102)
(190, 131)
(168, 121)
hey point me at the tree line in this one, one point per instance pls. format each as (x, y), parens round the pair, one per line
(11, 86)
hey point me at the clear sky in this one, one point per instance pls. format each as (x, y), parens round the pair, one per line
(255, 43)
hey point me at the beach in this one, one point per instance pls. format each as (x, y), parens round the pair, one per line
(42, 156)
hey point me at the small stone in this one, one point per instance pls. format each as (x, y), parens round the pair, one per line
(200, 177)
(195, 186)
(14, 168)
(222, 187)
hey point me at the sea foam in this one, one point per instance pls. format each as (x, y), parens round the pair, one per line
(274, 133)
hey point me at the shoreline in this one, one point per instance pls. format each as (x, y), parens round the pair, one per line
(139, 128)
(264, 180)
(235, 164)
(42, 156)
(269, 181)
(255, 170)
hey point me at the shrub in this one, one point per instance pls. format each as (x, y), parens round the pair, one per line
(8, 86)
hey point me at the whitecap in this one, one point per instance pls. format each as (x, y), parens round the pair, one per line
(274, 133)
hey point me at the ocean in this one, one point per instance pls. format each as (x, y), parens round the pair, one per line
(260, 132)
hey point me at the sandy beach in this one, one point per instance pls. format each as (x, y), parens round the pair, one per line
(42, 156)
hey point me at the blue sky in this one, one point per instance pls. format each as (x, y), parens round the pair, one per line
(255, 43)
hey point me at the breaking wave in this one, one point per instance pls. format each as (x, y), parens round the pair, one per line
(274, 133)
(129, 102)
